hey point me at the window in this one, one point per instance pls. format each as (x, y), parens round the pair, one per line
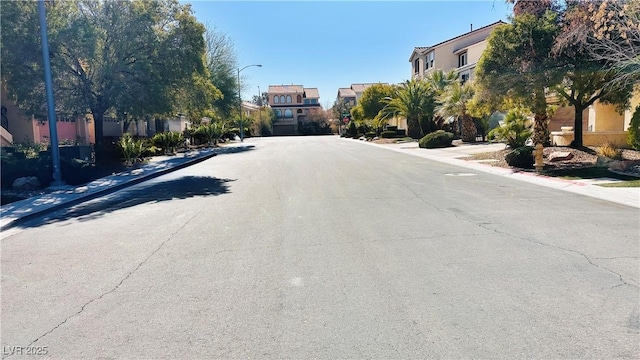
(288, 99)
(314, 101)
(276, 99)
(462, 59)
(299, 111)
(299, 99)
(431, 59)
(306, 111)
(288, 114)
(278, 113)
(306, 101)
(282, 99)
(464, 78)
(416, 66)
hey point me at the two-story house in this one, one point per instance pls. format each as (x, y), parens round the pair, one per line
(460, 53)
(292, 104)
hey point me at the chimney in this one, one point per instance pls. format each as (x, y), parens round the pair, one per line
(471, 27)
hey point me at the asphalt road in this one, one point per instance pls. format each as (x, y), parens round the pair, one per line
(320, 247)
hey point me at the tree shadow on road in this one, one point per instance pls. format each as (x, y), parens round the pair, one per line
(182, 188)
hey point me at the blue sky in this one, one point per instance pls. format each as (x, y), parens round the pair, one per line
(332, 44)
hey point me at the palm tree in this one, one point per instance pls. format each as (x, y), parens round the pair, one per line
(439, 81)
(453, 102)
(414, 100)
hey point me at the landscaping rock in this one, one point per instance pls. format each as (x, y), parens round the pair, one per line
(560, 156)
(26, 183)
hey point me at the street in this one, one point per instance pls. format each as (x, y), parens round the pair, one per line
(321, 247)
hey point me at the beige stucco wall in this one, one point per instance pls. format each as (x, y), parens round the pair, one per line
(617, 138)
(605, 118)
(446, 60)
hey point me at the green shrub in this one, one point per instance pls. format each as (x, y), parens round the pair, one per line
(514, 131)
(168, 141)
(131, 149)
(352, 129)
(388, 134)
(370, 135)
(521, 157)
(436, 139)
(634, 130)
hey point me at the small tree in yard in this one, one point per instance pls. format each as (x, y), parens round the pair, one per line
(634, 130)
(514, 131)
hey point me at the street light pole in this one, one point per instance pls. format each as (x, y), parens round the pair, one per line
(240, 101)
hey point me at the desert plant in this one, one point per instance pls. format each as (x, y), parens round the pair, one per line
(212, 132)
(168, 141)
(514, 131)
(634, 130)
(436, 139)
(131, 149)
(521, 157)
(609, 150)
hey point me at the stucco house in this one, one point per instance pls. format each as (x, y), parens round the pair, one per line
(292, 104)
(460, 53)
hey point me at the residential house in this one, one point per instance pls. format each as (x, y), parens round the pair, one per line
(460, 53)
(347, 96)
(18, 127)
(292, 105)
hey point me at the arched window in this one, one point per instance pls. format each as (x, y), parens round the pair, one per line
(278, 113)
(288, 114)
(299, 111)
(306, 111)
(276, 99)
(282, 99)
(288, 99)
(299, 99)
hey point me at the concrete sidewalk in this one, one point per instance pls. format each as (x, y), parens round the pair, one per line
(452, 155)
(19, 211)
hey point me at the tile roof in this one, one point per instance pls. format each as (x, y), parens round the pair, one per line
(312, 92)
(362, 87)
(423, 49)
(346, 92)
(283, 89)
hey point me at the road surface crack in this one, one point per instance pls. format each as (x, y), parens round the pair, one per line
(620, 276)
(127, 276)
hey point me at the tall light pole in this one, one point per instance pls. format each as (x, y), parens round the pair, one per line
(260, 110)
(240, 101)
(53, 126)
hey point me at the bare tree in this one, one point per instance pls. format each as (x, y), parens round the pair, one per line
(609, 30)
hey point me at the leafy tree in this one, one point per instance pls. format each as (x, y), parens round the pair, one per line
(105, 56)
(454, 102)
(371, 101)
(518, 64)
(414, 100)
